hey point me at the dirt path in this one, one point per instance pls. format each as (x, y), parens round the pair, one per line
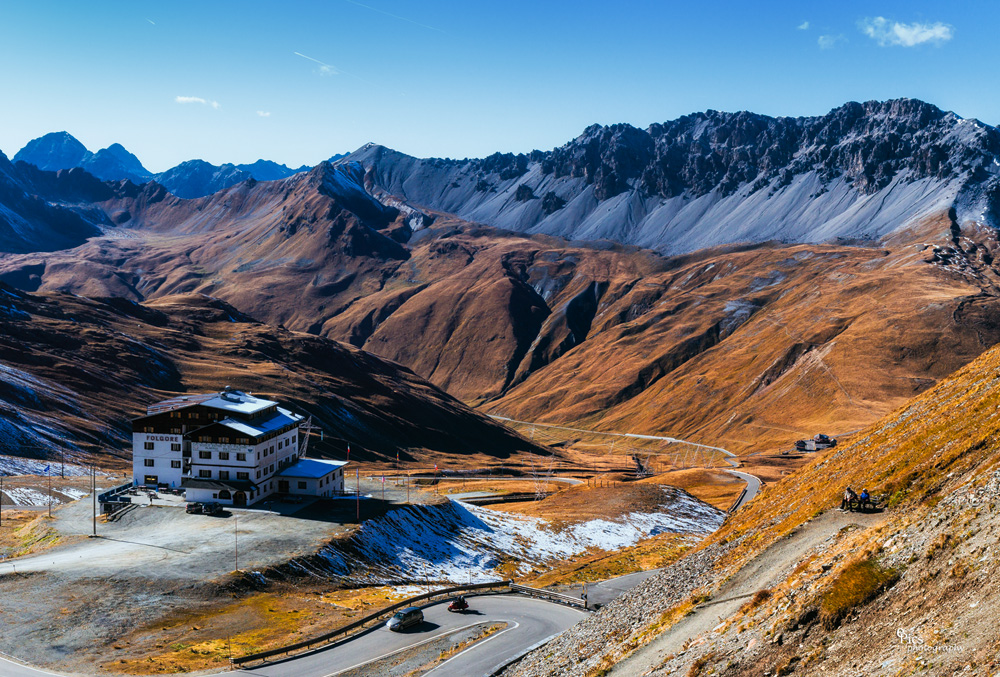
(765, 571)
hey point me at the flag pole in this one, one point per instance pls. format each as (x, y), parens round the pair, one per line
(48, 472)
(357, 490)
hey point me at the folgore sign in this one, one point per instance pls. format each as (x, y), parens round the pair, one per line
(163, 438)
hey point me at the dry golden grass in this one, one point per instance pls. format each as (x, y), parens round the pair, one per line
(651, 553)
(26, 532)
(203, 639)
(951, 430)
(858, 583)
(581, 502)
(717, 488)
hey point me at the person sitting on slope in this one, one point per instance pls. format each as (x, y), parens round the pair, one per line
(849, 498)
(865, 500)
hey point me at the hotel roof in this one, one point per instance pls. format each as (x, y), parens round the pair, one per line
(227, 400)
(311, 468)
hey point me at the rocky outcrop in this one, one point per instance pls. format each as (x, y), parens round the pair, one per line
(715, 178)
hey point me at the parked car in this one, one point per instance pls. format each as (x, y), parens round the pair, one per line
(405, 618)
(211, 508)
(195, 508)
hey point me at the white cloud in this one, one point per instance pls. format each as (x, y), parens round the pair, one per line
(264, 113)
(804, 26)
(197, 99)
(895, 34)
(829, 41)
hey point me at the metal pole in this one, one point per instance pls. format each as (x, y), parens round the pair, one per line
(236, 539)
(62, 463)
(49, 473)
(1, 500)
(357, 490)
(93, 493)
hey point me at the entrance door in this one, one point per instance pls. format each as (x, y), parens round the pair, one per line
(239, 498)
(283, 486)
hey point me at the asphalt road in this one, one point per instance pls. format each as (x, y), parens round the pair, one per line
(753, 486)
(529, 622)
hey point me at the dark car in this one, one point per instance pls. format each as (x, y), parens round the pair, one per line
(405, 618)
(211, 508)
(195, 508)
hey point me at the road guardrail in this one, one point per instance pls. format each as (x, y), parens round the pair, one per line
(360, 623)
(549, 595)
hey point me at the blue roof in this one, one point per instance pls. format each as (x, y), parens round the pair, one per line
(311, 468)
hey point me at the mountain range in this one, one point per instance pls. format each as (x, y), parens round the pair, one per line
(714, 178)
(194, 178)
(855, 305)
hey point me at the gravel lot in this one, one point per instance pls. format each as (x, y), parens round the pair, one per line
(63, 604)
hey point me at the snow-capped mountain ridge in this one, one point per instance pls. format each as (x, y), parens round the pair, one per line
(715, 178)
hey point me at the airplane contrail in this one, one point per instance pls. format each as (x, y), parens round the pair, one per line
(325, 67)
(394, 16)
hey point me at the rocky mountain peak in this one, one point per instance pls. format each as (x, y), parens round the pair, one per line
(54, 151)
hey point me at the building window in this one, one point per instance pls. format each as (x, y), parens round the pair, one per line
(280, 442)
(258, 474)
(223, 440)
(223, 474)
(302, 485)
(149, 463)
(148, 429)
(175, 447)
(204, 454)
(175, 431)
(242, 475)
(204, 473)
(241, 457)
(271, 468)
(148, 446)
(223, 455)
(175, 464)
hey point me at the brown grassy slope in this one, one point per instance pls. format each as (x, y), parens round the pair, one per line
(748, 348)
(77, 369)
(947, 435)
(755, 349)
(838, 604)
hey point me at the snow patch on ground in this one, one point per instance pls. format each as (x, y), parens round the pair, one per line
(14, 465)
(24, 496)
(462, 543)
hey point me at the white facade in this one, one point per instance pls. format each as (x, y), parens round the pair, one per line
(313, 477)
(226, 447)
(157, 459)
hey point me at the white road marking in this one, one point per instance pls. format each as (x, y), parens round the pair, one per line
(405, 648)
(474, 646)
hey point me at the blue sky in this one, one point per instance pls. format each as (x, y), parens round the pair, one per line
(296, 82)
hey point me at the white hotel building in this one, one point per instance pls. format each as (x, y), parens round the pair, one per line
(228, 447)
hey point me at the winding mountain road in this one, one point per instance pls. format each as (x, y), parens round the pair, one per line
(529, 621)
(749, 492)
